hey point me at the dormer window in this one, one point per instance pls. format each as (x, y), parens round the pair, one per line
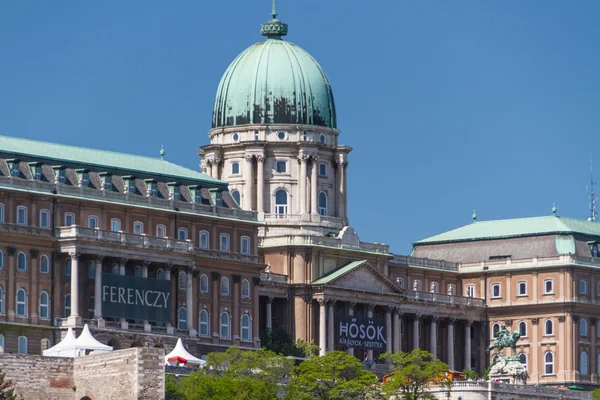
(198, 196)
(132, 188)
(85, 179)
(108, 183)
(594, 250)
(38, 173)
(153, 189)
(176, 193)
(15, 171)
(62, 176)
(219, 199)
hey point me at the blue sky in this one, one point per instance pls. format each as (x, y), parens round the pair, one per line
(449, 106)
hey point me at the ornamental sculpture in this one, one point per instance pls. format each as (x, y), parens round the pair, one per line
(504, 340)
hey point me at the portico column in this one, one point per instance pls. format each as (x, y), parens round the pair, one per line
(122, 262)
(145, 269)
(260, 182)
(397, 332)
(314, 207)
(248, 180)
(189, 302)
(450, 361)
(255, 309)
(322, 326)
(468, 344)
(269, 314)
(351, 306)
(433, 337)
(330, 326)
(388, 328)
(98, 290)
(74, 319)
(302, 183)
(416, 323)
(370, 315)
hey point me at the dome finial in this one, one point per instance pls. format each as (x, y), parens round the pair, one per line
(162, 152)
(474, 216)
(274, 11)
(274, 29)
(554, 210)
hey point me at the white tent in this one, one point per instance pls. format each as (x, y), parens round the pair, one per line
(180, 355)
(65, 348)
(87, 344)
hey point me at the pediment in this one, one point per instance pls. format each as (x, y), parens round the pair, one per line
(363, 277)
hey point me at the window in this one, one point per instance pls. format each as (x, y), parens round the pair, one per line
(235, 194)
(322, 169)
(400, 282)
(203, 240)
(44, 219)
(176, 193)
(67, 305)
(182, 234)
(137, 272)
(522, 288)
(548, 328)
(62, 176)
(15, 170)
(595, 250)
(108, 183)
(91, 307)
(92, 270)
(44, 264)
(281, 135)
(281, 166)
(114, 269)
(1, 300)
(69, 219)
(224, 242)
(323, 204)
(224, 286)
(582, 287)
(1, 212)
(21, 215)
(115, 225)
(21, 303)
(583, 328)
(451, 290)
(235, 168)
(219, 199)
(1, 259)
(22, 345)
(583, 364)
(496, 290)
(2, 344)
(245, 289)
(160, 274)
(92, 222)
(21, 262)
(224, 325)
(44, 301)
(434, 287)
(281, 202)
(182, 281)
(245, 245)
(203, 322)
(138, 228)
(153, 189)
(85, 179)
(548, 286)
(235, 136)
(523, 328)
(181, 319)
(322, 139)
(132, 187)
(246, 328)
(203, 283)
(548, 363)
(68, 267)
(161, 231)
(470, 291)
(523, 359)
(38, 173)
(495, 330)
(417, 285)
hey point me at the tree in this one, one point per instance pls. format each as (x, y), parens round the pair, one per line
(334, 376)
(595, 394)
(280, 341)
(413, 372)
(7, 390)
(471, 374)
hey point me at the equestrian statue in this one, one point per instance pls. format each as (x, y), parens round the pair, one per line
(504, 340)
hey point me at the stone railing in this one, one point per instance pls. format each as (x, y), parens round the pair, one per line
(126, 198)
(424, 262)
(25, 230)
(148, 242)
(480, 390)
(275, 278)
(334, 242)
(444, 299)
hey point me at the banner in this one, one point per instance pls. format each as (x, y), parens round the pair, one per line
(125, 296)
(361, 333)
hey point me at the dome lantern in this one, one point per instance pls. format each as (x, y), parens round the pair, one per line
(274, 29)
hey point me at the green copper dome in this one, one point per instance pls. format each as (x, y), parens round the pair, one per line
(274, 82)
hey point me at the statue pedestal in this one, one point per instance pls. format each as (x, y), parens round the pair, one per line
(509, 370)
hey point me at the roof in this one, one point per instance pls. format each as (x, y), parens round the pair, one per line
(512, 228)
(338, 272)
(80, 157)
(181, 355)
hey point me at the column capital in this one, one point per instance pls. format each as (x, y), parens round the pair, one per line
(260, 158)
(99, 259)
(74, 255)
(535, 321)
(390, 309)
(147, 262)
(314, 157)
(123, 260)
(561, 318)
(236, 278)
(248, 157)
(575, 318)
(593, 321)
(270, 299)
(191, 267)
(331, 301)
(256, 280)
(322, 302)
(11, 251)
(302, 157)
(215, 275)
(508, 322)
(352, 304)
(34, 253)
(372, 306)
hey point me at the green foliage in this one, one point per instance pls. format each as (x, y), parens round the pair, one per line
(486, 373)
(206, 385)
(280, 341)
(595, 394)
(470, 374)
(414, 371)
(7, 390)
(334, 376)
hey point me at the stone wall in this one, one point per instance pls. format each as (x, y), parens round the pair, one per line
(501, 391)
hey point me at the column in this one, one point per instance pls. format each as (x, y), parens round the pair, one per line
(468, 344)
(350, 350)
(331, 326)
(56, 270)
(397, 332)
(122, 262)
(74, 318)
(189, 302)
(209, 168)
(11, 293)
(235, 309)
(98, 290)
(216, 310)
(145, 269)
(260, 181)
(340, 188)
(269, 314)
(345, 185)
(302, 183)
(33, 291)
(370, 315)
(451, 344)
(248, 180)
(388, 328)
(314, 207)
(322, 326)
(416, 329)
(255, 310)
(170, 327)
(433, 336)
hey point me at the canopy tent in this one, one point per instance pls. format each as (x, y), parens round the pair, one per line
(86, 344)
(65, 348)
(180, 355)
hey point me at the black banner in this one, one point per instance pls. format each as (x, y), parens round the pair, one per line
(125, 296)
(361, 333)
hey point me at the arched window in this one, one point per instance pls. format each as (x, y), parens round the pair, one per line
(203, 318)
(245, 289)
(451, 290)
(22, 345)
(1, 300)
(161, 231)
(45, 344)
(91, 307)
(115, 225)
(22, 262)
(281, 202)
(44, 307)
(495, 330)
(203, 240)
(470, 291)
(523, 359)
(44, 219)
(323, 203)
(92, 270)
(235, 168)
(245, 245)
(548, 363)
(137, 272)
(224, 286)
(224, 325)
(549, 328)
(523, 328)
(92, 222)
(224, 242)
(583, 364)
(114, 269)
(1, 259)
(160, 274)
(583, 328)
(400, 282)
(21, 215)
(182, 234)
(69, 219)
(21, 303)
(235, 194)
(138, 227)
(203, 283)
(246, 336)
(181, 319)
(434, 287)
(1, 212)
(182, 281)
(44, 264)
(2, 345)
(417, 285)
(67, 305)
(68, 267)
